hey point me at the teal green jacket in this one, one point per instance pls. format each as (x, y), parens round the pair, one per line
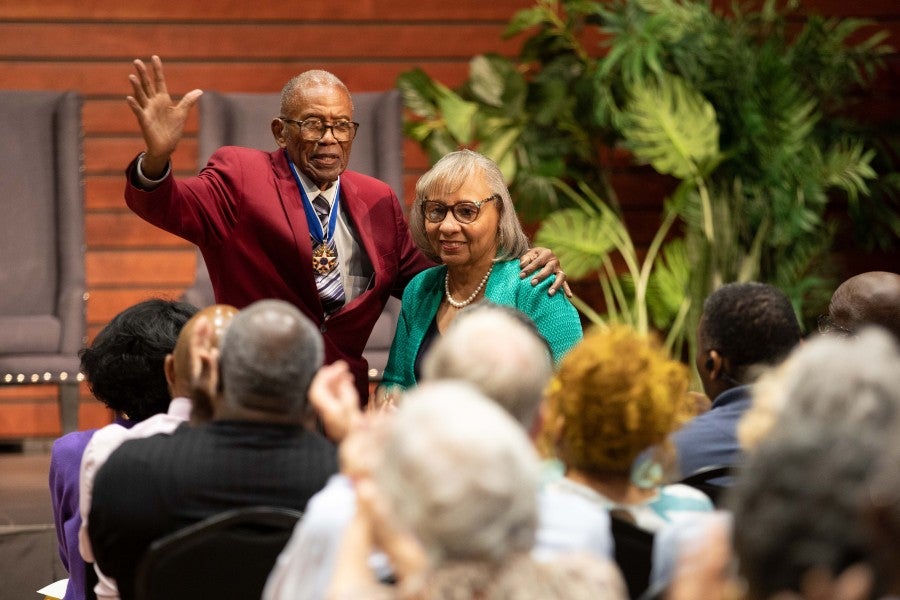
(555, 317)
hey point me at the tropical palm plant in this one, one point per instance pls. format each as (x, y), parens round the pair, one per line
(749, 119)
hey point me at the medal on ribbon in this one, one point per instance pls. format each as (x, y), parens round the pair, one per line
(324, 258)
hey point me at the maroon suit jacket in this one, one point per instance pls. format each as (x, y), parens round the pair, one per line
(244, 212)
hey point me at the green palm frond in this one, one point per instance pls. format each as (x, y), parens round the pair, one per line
(668, 284)
(495, 81)
(581, 241)
(672, 127)
(847, 165)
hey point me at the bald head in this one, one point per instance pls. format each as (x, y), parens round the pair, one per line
(219, 317)
(871, 298)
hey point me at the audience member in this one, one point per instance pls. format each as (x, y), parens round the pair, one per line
(616, 394)
(871, 298)
(744, 328)
(452, 501)
(463, 218)
(829, 412)
(124, 369)
(251, 213)
(500, 351)
(206, 327)
(253, 452)
(828, 378)
(797, 506)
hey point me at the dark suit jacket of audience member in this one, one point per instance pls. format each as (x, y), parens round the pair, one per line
(154, 486)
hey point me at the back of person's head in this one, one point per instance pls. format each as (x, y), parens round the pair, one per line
(797, 506)
(832, 381)
(871, 298)
(124, 364)
(460, 474)
(500, 351)
(269, 355)
(178, 364)
(749, 324)
(616, 393)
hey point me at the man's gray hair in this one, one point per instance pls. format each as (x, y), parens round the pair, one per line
(461, 475)
(268, 357)
(448, 175)
(500, 351)
(309, 79)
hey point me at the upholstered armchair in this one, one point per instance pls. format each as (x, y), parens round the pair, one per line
(242, 119)
(42, 286)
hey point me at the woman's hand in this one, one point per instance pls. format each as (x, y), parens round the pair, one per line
(545, 260)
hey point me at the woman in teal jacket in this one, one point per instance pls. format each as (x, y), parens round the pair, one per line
(463, 217)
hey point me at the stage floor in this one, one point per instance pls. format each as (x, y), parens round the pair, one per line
(24, 492)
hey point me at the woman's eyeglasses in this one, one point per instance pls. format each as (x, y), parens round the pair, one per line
(464, 212)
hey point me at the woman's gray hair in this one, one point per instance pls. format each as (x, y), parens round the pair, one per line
(448, 175)
(461, 475)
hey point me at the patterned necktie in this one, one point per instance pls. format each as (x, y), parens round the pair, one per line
(331, 289)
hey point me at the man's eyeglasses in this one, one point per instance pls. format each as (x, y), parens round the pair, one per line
(314, 128)
(464, 212)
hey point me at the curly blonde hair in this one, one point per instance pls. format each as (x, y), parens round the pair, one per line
(616, 393)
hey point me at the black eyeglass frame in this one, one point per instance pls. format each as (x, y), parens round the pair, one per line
(444, 208)
(325, 127)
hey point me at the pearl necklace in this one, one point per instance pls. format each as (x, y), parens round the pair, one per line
(468, 300)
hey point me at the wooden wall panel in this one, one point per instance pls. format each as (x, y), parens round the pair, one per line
(253, 41)
(262, 11)
(233, 45)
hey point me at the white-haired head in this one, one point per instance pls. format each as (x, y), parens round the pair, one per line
(834, 381)
(500, 351)
(460, 474)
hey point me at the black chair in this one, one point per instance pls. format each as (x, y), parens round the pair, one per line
(225, 556)
(712, 481)
(633, 553)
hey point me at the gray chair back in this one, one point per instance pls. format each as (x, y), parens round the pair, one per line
(42, 316)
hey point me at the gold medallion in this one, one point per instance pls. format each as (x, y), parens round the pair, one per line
(324, 258)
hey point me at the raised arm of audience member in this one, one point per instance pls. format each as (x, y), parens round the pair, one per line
(373, 528)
